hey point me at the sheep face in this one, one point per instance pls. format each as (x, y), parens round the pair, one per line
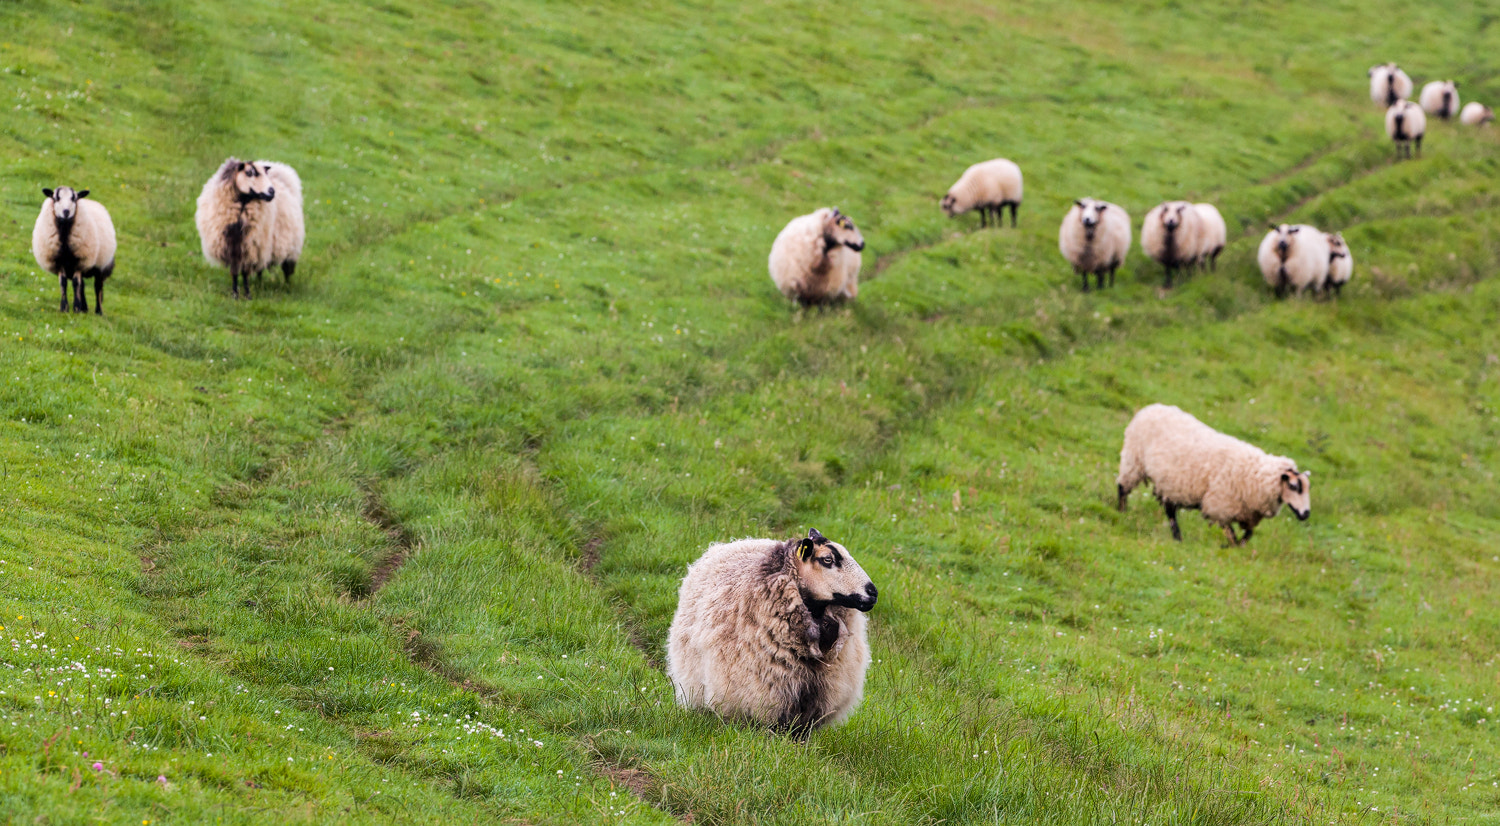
(1090, 213)
(1286, 238)
(830, 576)
(1171, 217)
(1337, 247)
(253, 183)
(1296, 492)
(64, 202)
(839, 230)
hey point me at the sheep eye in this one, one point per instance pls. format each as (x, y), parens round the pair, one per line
(826, 562)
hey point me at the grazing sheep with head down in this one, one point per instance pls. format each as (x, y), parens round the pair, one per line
(1095, 237)
(1475, 114)
(1215, 235)
(1340, 263)
(815, 259)
(1172, 235)
(772, 632)
(1388, 84)
(250, 219)
(1440, 98)
(1294, 257)
(989, 187)
(1405, 123)
(74, 239)
(1191, 465)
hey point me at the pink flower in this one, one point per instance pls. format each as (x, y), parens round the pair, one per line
(98, 767)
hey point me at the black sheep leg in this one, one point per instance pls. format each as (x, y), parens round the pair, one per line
(62, 281)
(99, 295)
(1170, 273)
(287, 268)
(1013, 208)
(1172, 516)
(80, 300)
(1112, 274)
(1419, 146)
(1124, 497)
(1099, 280)
(984, 217)
(1085, 280)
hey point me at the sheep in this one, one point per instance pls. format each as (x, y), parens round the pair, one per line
(1171, 234)
(1440, 98)
(772, 632)
(815, 259)
(74, 239)
(1406, 124)
(1475, 114)
(1191, 465)
(1215, 235)
(1340, 263)
(246, 224)
(989, 187)
(1294, 257)
(1388, 84)
(1095, 237)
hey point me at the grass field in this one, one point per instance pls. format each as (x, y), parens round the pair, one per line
(399, 542)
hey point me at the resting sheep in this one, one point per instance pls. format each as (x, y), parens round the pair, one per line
(1095, 237)
(1172, 235)
(1340, 263)
(1405, 123)
(1475, 114)
(1388, 84)
(250, 219)
(815, 259)
(1440, 98)
(74, 239)
(1294, 257)
(1215, 235)
(772, 632)
(1191, 465)
(989, 187)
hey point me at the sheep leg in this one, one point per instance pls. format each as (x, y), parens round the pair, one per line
(1234, 541)
(80, 301)
(1112, 274)
(1419, 146)
(1169, 270)
(1248, 529)
(1013, 208)
(1124, 497)
(984, 217)
(62, 281)
(1172, 517)
(287, 268)
(1085, 275)
(98, 294)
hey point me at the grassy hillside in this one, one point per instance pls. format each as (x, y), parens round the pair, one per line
(400, 542)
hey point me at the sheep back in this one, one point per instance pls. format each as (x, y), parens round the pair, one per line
(986, 184)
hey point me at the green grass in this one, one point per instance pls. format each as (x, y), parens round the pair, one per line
(532, 353)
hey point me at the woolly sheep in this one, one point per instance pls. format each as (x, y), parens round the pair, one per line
(1172, 235)
(772, 632)
(1215, 235)
(989, 187)
(1340, 263)
(1191, 465)
(815, 259)
(1406, 124)
(1388, 84)
(1440, 98)
(250, 219)
(1095, 237)
(1294, 257)
(74, 239)
(1475, 114)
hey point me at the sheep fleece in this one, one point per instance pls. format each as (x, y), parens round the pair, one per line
(92, 239)
(804, 268)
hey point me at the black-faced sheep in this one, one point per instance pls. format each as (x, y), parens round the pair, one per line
(1294, 258)
(1388, 84)
(815, 259)
(74, 239)
(989, 187)
(250, 219)
(1475, 114)
(1172, 235)
(1340, 264)
(772, 632)
(1095, 237)
(1191, 465)
(1440, 98)
(1405, 123)
(1215, 235)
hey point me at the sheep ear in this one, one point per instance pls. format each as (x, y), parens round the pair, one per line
(805, 548)
(47, 192)
(83, 193)
(812, 533)
(1286, 477)
(1079, 203)
(241, 167)
(1294, 230)
(1273, 227)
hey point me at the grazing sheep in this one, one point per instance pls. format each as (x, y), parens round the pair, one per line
(1172, 235)
(1440, 98)
(74, 239)
(247, 224)
(1406, 124)
(1340, 263)
(1095, 237)
(1215, 235)
(1294, 257)
(1191, 465)
(1475, 114)
(815, 259)
(1389, 84)
(989, 187)
(772, 632)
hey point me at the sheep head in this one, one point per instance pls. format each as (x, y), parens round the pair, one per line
(838, 230)
(253, 183)
(64, 202)
(1296, 491)
(828, 575)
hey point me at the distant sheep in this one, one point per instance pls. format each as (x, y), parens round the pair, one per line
(74, 239)
(989, 187)
(1214, 236)
(1406, 124)
(1440, 98)
(1340, 263)
(1172, 235)
(1389, 84)
(250, 219)
(1095, 237)
(815, 259)
(1190, 465)
(772, 632)
(1294, 257)
(1475, 114)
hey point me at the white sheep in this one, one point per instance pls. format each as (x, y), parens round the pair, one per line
(1388, 84)
(1440, 97)
(1340, 263)
(1475, 114)
(1191, 465)
(1405, 123)
(772, 632)
(1172, 235)
(815, 259)
(989, 187)
(1294, 257)
(74, 239)
(1095, 238)
(1215, 235)
(250, 219)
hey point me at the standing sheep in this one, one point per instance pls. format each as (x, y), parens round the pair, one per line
(1294, 257)
(1172, 235)
(1406, 124)
(74, 239)
(1191, 465)
(772, 632)
(1389, 84)
(1475, 114)
(250, 219)
(815, 259)
(1215, 235)
(1095, 237)
(1440, 98)
(989, 187)
(1340, 264)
